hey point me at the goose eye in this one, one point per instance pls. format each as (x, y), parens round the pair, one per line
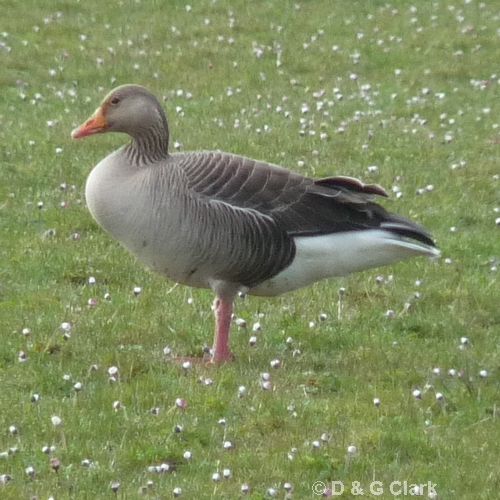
(115, 100)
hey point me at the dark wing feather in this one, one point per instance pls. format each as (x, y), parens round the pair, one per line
(301, 206)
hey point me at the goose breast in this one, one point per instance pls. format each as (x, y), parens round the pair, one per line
(189, 237)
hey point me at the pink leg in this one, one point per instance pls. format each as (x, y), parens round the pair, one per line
(223, 314)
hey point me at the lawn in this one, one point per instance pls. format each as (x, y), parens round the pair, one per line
(396, 380)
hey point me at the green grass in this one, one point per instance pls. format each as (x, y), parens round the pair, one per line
(396, 122)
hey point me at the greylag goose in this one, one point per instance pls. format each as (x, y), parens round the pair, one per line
(216, 220)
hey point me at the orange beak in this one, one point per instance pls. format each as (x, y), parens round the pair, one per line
(96, 124)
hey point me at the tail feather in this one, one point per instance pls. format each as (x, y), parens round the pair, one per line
(408, 229)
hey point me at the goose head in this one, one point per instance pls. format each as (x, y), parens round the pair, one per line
(130, 109)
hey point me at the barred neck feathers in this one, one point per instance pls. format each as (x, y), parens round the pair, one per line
(149, 145)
